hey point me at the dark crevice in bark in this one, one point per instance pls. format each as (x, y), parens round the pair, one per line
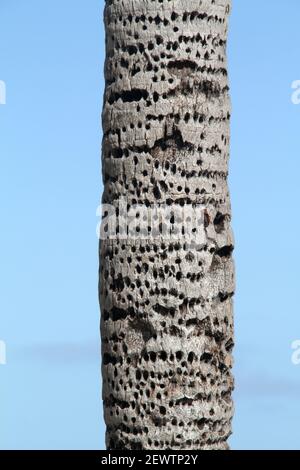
(111, 401)
(225, 251)
(223, 296)
(116, 313)
(182, 64)
(162, 310)
(129, 96)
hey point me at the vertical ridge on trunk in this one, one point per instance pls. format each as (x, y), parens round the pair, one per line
(166, 302)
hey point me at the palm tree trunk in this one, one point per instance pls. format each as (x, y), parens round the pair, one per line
(166, 293)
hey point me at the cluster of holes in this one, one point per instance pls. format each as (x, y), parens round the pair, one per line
(160, 188)
(118, 283)
(150, 391)
(158, 20)
(149, 403)
(162, 118)
(153, 46)
(146, 374)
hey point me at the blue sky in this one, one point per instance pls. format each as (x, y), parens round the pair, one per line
(51, 59)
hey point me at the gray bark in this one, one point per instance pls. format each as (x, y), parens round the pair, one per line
(166, 303)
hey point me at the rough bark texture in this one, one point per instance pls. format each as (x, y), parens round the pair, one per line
(166, 325)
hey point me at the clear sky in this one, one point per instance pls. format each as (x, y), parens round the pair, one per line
(51, 59)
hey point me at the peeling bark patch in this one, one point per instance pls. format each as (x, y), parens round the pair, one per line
(146, 329)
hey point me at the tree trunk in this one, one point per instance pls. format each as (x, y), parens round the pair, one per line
(166, 292)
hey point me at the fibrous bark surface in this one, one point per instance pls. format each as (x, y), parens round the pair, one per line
(166, 302)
